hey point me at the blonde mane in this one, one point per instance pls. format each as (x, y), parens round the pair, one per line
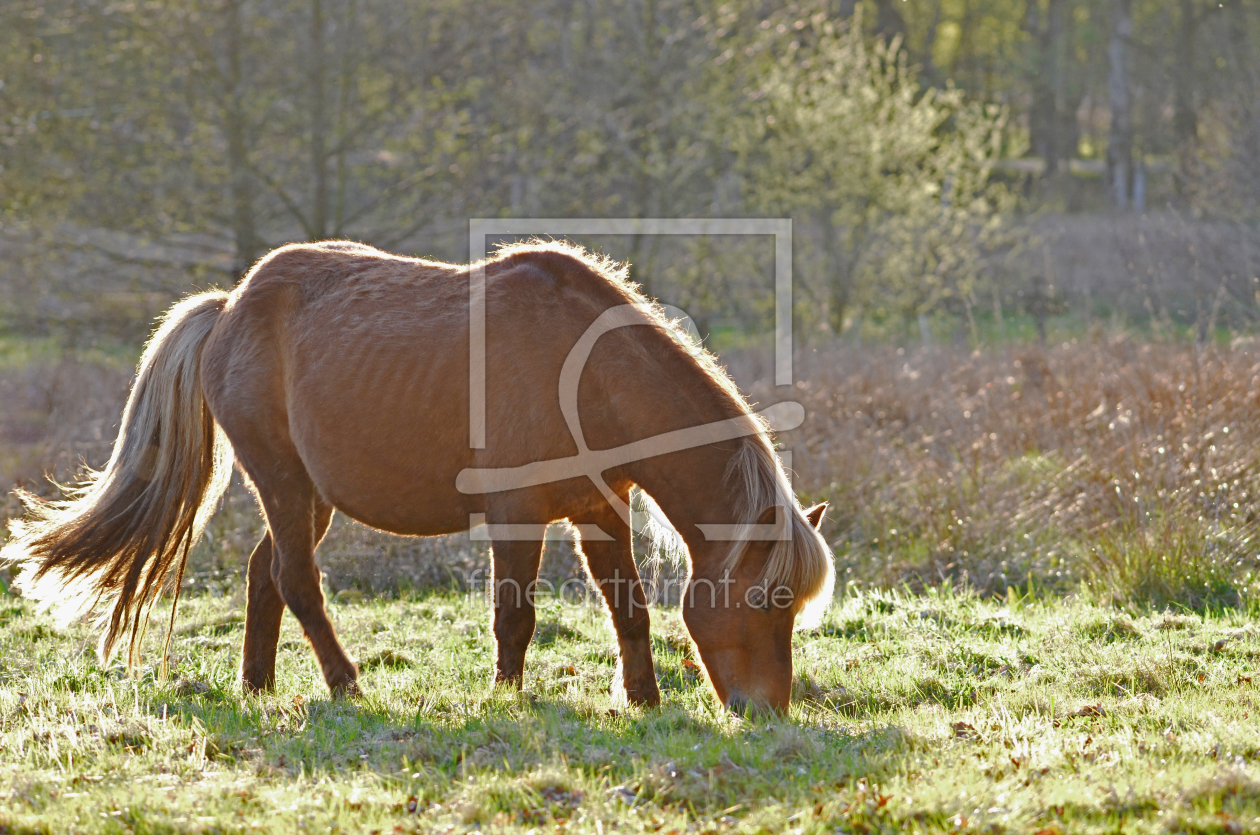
(799, 558)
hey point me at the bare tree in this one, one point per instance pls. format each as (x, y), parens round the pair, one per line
(1045, 116)
(1120, 169)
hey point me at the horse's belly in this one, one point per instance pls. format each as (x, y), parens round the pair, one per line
(393, 496)
(384, 450)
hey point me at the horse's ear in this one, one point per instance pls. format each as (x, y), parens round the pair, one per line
(815, 514)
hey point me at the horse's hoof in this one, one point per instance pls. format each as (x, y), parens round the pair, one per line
(641, 698)
(346, 690)
(508, 682)
(257, 685)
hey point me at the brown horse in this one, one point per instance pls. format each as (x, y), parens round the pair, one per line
(338, 377)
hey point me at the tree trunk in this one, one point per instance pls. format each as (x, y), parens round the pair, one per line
(1053, 128)
(346, 88)
(928, 70)
(319, 127)
(1120, 136)
(1239, 47)
(838, 279)
(1043, 117)
(1039, 303)
(248, 245)
(888, 20)
(1066, 132)
(1185, 117)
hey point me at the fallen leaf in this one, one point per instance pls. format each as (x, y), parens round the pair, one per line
(1091, 711)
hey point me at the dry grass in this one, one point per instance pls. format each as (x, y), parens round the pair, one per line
(1125, 466)
(55, 413)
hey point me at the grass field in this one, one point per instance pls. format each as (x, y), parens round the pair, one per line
(935, 713)
(1097, 497)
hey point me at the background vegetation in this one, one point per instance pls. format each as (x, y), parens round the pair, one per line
(149, 147)
(1027, 267)
(993, 175)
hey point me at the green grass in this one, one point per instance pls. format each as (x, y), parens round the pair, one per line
(934, 713)
(21, 351)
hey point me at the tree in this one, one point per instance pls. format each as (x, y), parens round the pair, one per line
(894, 177)
(1120, 170)
(1052, 127)
(216, 118)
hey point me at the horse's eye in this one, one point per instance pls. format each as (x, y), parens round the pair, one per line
(758, 599)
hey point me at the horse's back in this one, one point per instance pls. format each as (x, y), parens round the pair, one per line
(358, 362)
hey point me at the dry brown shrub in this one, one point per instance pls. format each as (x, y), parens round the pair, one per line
(1131, 466)
(1124, 465)
(56, 415)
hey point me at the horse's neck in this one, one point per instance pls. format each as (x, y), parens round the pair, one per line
(691, 485)
(691, 488)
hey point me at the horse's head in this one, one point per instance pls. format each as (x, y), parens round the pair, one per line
(742, 624)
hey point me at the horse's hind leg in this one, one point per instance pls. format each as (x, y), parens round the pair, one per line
(264, 610)
(296, 520)
(515, 570)
(612, 567)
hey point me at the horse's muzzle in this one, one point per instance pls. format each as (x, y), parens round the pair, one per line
(742, 705)
(739, 705)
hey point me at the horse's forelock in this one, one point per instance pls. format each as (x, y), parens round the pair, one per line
(800, 561)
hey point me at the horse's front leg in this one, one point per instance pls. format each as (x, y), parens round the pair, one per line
(611, 564)
(515, 570)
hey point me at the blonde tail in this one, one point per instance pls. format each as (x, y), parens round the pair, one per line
(120, 531)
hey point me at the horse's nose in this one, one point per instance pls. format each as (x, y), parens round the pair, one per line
(741, 704)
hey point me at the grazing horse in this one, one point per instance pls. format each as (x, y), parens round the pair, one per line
(338, 377)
